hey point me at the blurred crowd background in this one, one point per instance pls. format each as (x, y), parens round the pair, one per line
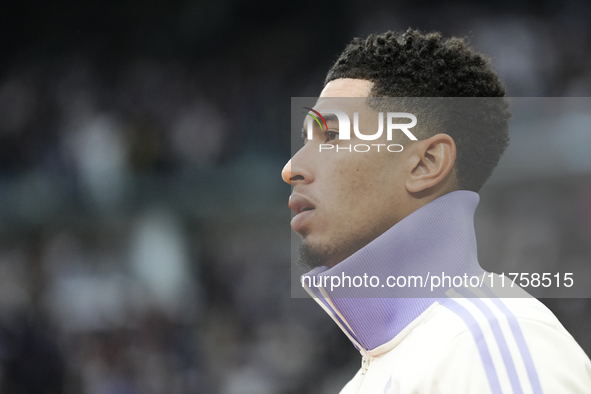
(144, 228)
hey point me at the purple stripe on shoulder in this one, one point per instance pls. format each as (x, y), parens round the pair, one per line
(499, 337)
(476, 331)
(532, 373)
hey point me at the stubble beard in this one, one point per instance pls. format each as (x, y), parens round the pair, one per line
(331, 253)
(310, 257)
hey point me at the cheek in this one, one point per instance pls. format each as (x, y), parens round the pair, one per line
(372, 173)
(356, 185)
(358, 178)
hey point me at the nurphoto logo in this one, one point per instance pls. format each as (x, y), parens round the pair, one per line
(345, 129)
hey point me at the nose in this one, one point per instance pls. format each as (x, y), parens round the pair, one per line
(299, 169)
(286, 173)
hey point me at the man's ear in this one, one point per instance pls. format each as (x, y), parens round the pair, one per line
(433, 159)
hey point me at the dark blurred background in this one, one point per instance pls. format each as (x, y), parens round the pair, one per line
(144, 236)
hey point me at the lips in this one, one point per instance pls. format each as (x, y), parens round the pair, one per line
(303, 208)
(298, 203)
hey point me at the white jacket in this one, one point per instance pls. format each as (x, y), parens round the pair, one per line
(454, 340)
(477, 346)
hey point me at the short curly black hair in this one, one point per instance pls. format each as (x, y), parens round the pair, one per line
(413, 64)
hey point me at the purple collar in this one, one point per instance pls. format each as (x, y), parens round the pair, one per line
(437, 239)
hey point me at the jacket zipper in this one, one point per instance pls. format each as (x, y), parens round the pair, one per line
(365, 358)
(364, 364)
(364, 368)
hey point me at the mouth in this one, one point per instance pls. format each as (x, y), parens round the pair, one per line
(299, 203)
(303, 208)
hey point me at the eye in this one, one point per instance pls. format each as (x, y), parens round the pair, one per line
(331, 135)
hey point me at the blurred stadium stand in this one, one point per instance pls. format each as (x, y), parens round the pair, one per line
(144, 236)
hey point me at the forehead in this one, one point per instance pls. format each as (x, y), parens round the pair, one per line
(346, 87)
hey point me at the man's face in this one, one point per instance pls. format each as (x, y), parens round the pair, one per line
(343, 200)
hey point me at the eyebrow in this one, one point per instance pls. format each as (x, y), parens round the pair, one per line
(327, 118)
(330, 118)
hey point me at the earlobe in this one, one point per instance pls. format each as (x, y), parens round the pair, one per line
(434, 159)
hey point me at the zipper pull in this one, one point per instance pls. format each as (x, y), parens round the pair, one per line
(364, 365)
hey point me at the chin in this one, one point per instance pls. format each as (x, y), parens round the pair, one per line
(312, 254)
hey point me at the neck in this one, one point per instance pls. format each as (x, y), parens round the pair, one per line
(365, 293)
